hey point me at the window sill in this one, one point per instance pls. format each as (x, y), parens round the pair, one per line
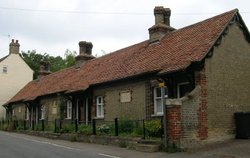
(157, 115)
(99, 118)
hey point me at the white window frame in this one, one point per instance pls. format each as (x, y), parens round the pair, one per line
(179, 86)
(69, 109)
(158, 98)
(42, 112)
(100, 107)
(5, 69)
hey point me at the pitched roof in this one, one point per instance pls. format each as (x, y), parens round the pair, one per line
(176, 51)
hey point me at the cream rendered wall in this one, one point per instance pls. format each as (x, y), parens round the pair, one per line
(17, 76)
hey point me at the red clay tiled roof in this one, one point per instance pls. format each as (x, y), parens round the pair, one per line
(176, 51)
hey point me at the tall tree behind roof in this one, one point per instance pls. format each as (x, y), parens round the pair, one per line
(33, 59)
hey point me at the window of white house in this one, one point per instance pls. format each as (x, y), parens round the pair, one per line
(99, 107)
(27, 114)
(5, 69)
(69, 109)
(42, 112)
(158, 103)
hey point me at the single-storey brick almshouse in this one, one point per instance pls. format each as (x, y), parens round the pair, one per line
(205, 67)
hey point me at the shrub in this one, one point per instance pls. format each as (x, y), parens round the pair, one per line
(38, 127)
(126, 126)
(49, 127)
(85, 129)
(104, 128)
(153, 128)
(138, 131)
(68, 128)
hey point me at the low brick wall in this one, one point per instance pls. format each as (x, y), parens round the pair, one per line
(174, 124)
(187, 121)
(183, 120)
(128, 142)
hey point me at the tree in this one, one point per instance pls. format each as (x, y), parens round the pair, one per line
(33, 59)
(70, 58)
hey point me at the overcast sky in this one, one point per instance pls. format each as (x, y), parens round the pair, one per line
(52, 26)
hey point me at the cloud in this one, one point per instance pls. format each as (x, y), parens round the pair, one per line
(52, 27)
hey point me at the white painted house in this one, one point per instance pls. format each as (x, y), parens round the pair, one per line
(14, 75)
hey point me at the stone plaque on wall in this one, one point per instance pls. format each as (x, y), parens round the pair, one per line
(125, 96)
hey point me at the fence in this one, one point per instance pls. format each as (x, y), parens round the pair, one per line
(132, 128)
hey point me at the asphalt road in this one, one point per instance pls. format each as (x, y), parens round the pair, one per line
(13, 145)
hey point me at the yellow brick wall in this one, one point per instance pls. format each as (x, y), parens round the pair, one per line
(113, 107)
(228, 81)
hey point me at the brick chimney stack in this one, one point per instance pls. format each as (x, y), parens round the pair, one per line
(85, 53)
(44, 69)
(162, 24)
(14, 47)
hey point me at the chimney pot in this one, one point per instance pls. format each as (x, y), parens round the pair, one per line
(162, 15)
(14, 47)
(85, 53)
(44, 69)
(85, 47)
(162, 24)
